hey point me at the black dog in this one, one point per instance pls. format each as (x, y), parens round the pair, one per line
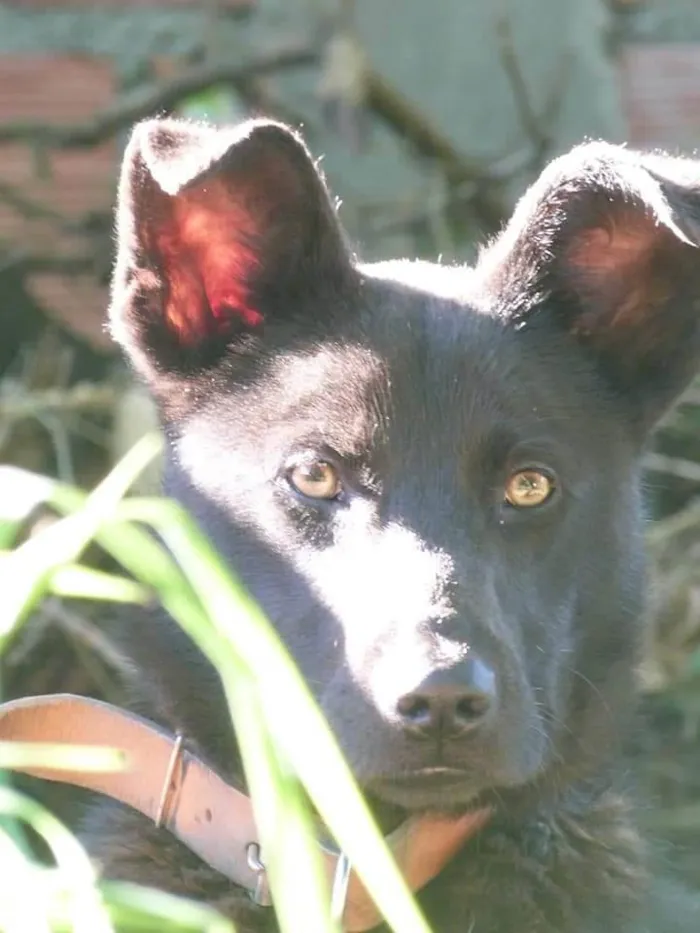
(429, 477)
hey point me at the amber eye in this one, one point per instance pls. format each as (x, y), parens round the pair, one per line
(528, 488)
(316, 480)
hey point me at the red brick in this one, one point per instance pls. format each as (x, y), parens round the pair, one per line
(67, 4)
(660, 86)
(57, 90)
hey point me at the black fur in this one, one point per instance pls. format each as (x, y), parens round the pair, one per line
(265, 343)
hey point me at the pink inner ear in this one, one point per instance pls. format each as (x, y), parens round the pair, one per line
(209, 264)
(613, 268)
(605, 251)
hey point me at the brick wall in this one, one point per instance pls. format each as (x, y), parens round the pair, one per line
(63, 89)
(70, 183)
(66, 4)
(660, 86)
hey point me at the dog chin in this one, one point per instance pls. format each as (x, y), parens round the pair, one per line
(435, 789)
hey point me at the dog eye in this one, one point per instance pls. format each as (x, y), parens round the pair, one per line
(315, 480)
(528, 488)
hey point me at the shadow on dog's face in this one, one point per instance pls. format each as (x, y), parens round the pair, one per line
(428, 476)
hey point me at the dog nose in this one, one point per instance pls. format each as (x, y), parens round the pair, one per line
(450, 702)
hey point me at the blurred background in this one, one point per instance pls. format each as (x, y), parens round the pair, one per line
(431, 118)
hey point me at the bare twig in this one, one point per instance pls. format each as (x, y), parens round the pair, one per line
(536, 126)
(88, 634)
(392, 107)
(263, 101)
(409, 123)
(60, 441)
(30, 637)
(679, 522)
(82, 398)
(674, 466)
(557, 93)
(691, 396)
(681, 819)
(31, 209)
(385, 101)
(438, 224)
(518, 86)
(146, 102)
(27, 263)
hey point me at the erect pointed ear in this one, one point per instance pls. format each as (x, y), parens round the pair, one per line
(222, 233)
(604, 245)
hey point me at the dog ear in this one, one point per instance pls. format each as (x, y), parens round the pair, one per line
(604, 244)
(221, 232)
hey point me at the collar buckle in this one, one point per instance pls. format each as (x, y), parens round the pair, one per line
(339, 891)
(261, 894)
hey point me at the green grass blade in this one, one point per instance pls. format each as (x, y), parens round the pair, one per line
(233, 632)
(282, 816)
(22, 755)
(78, 582)
(144, 910)
(25, 572)
(291, 710)
(86, 905)
(21, 909)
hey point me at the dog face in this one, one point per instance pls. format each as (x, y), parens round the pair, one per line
(427, 476)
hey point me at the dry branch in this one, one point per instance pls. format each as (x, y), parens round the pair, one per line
(29, 208)
(82, 397)
(518, 85)
(87, 633)
(27, 264)
(536, 126)
(425, 139)
(146, 102)
(674, 466)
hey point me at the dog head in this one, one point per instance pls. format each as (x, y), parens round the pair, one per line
(428, 476)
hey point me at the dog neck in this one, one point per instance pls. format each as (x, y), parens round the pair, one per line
(170, 785)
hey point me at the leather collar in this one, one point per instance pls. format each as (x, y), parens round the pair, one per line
(177, 790)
